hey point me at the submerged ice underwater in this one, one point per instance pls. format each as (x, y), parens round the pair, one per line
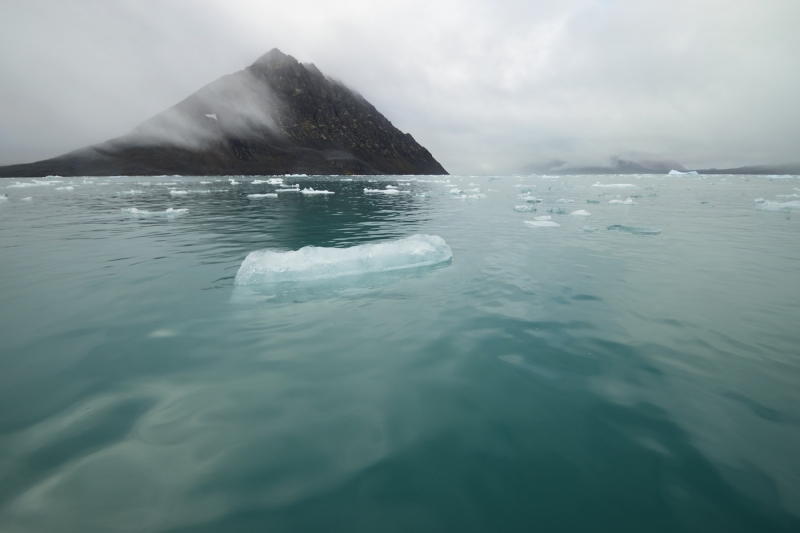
(501, 353)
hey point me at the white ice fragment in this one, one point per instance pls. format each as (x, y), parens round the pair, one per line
(67, 188)
(564, 201)
(141, 213)
(679, 173)
(530, 199)
(524, 208)
(296, 175)
(211, 115)
(613, 185)
(266, 195)
(233, 181)
(455, 190)
(131, 192)
(385, 191)
(274, 181)
(178, 193)
(346, 179)
(780, 206)
(581, 213)
(292, 189)
(589, 229)
(627, 201)
(312, 262)
(206, 182)
(759, 200)
(543, 223)
(635, 230)
(391, 187)
(787, 195)
(311, 190)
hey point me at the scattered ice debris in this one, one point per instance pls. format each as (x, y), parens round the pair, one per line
(581, 213)
(33, 183)
(311, 190)
(67, 188)
(679, 173)
(524, 208)
(265, 195)
(296, 175)
(312, 262)
(780, 206)
(543, 223)
(635, 230)
(3, 197)
(199, 191)
(233, 181)
(557, 211)
(627, 201)
(274, 181)
(178, 193)
(206, 182)
(589, 229)
(613, 185)
(759, 200)
(387, 190)
(346, 179)
(787, 195)
(132, 191)
(455, 190)
(476, 189)
(470, 196)
(564, 201)
(426, 194)
(211, 115)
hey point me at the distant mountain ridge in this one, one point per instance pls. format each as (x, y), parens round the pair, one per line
(622, 166)
(277, 116)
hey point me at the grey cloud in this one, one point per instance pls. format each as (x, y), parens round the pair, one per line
(486, 86)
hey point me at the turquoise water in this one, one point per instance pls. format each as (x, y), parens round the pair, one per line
(543, 379)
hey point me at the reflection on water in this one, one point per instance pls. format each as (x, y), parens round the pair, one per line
(545, 379)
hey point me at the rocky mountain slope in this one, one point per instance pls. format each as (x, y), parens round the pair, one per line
(277, 116)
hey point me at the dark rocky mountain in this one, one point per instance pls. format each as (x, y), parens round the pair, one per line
(755, 169)
(277, 116)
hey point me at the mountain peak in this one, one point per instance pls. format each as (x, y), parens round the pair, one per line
(274, 56)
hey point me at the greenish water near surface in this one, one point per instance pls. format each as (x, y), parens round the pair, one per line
(545, 379)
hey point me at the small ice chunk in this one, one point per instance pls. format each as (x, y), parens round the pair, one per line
(529, 199)
(391, 187)
(178, 193)
(3, 197)
(312, 262)
(589, 229)
(557, 211)
(292, 189)
(627, 201)
(635, 230)
(211, 115)
(679, 173)
(296, 175)
(581, 213)
(524, 208)
(613, 185)
(265, 195)
(67, 188)
(787, 195)
(543, 217)
(564, 201)
(206, 182)
(233, 181)
(455, 190)
(311, 190)
(132, 192)
(759, 200)
(141, 213)
(543, 223)
(385, 191)
(274, 181)
(780, 206)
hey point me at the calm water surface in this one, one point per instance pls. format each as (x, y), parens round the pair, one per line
(546, 379)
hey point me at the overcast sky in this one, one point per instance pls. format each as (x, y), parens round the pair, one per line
(486, 86)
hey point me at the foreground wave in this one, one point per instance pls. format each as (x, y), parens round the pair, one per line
(313, 262)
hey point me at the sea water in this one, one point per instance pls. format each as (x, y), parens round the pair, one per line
(618, 353)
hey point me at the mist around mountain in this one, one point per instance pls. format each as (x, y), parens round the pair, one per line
(622, 166)
(277, 116)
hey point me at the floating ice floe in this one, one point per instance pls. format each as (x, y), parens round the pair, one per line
(131, 192)
(178, 193)
(543, 223)
(385, 191)
(142, 213)
(524, 208)
(613, 185)
(529, 199)
(455, 190)
(780, 206)
(787, 195)
(759, 200)
(592, 201)
(3, 197)
(635, 230)
(33, 183)
(211, 115)
(290, 189)
(275, 181)
(233, 181)
(311, 190)
(627, 201)
(206, 182)
(265, 195)
(581, 213)
(679, 173)
(296, 175)
(589, 229)
(391, 187)
(557, 211)
(564, 201)
(67, 188)
(312, 262)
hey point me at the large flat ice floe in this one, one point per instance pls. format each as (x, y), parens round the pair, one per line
(794, 205)
(310, 190)
(613, 185)
(143, 213)
(313, 262)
